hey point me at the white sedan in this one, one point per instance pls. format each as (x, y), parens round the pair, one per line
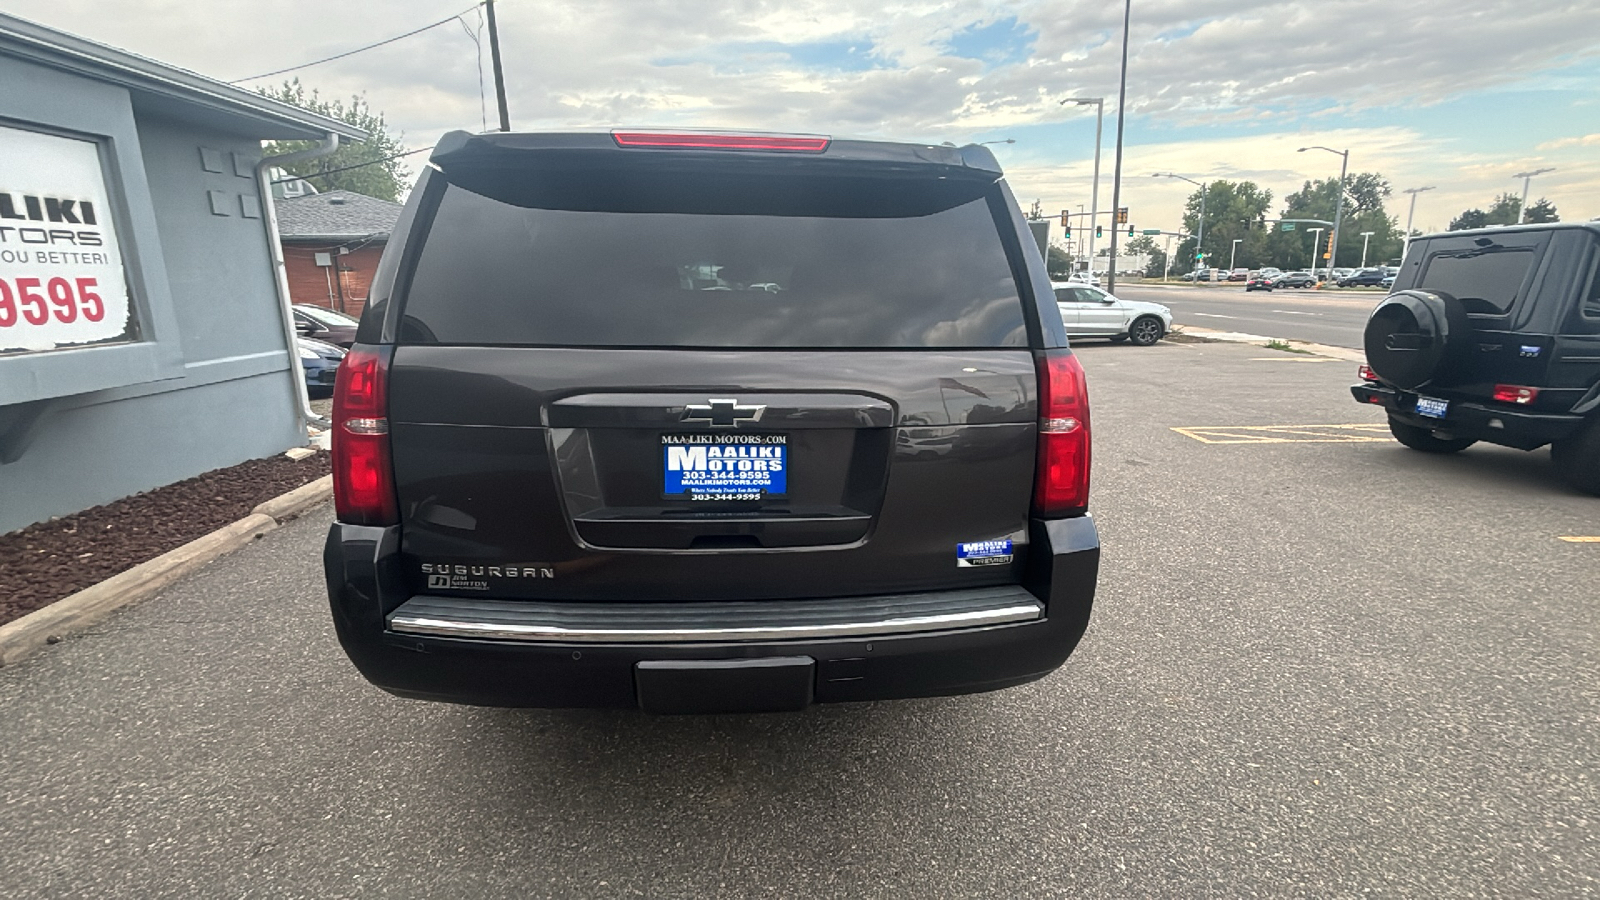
(1090, 312)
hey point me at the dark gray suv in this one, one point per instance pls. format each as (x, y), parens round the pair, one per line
(709, 422)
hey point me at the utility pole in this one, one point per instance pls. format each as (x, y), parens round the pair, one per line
(1413, 192)
(1200, 239)
(1116, 178)
(499, 74)
(1338, 206)
(1526, 178)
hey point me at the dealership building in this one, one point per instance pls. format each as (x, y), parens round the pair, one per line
(144, 326)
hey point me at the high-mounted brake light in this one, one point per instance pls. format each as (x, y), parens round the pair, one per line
(363, 473)
(1515, 393)
(782, 143)
(1061, 484)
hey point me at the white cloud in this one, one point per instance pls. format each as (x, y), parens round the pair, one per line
(1296, 65)
(1588, 140)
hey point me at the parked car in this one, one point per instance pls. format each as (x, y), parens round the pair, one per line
(1472, 346)
(1370, 277)
(566, 474)
(325, 325)
(1295, 280)
(1239, 275)
(1260, 282)
(1090, 278)
(320, 363)
(1090, 312)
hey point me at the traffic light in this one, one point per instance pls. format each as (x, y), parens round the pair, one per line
(1122, 215)
(1097, 231)
(1065, 221)
(1130, 231)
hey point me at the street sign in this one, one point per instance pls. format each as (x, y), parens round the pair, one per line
(1151, 231)
(1288, 226)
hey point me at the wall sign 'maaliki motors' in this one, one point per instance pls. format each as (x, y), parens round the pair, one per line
(61, 277)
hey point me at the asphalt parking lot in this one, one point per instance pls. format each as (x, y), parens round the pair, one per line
(1320, 665)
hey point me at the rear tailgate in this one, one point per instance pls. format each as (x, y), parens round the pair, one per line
(630, 377)
(502, 469)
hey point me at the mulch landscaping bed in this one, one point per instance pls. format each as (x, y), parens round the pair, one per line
(44, 562)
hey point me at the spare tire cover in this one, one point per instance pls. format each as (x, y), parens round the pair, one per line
(1414, 338)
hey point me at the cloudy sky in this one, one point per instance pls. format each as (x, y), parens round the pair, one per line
(1460, 95)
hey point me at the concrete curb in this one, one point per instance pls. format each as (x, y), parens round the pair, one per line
(1235, 337)
(24, 637)
(289, 506)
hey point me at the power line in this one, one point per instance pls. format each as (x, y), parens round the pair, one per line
(370, 162)
(359, 49)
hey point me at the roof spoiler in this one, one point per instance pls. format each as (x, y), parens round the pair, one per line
(461, 147)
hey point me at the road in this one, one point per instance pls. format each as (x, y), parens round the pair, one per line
(1320, 665)
(1304, 315)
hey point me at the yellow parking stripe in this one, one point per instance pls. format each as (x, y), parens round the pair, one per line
(1584, 539)
(1358, 433)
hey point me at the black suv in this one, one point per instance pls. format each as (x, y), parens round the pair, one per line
(709, 422)
(1494, 335)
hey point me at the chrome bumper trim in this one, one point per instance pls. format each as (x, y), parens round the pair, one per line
(463, 626)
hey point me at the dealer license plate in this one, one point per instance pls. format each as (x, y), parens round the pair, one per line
(1433, 409)
(724, 466)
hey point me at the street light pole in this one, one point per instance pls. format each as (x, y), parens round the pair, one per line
(1526, 178)
(1094, 190)
(1338, 205)
(1413, 192)
(1365, 237)
(1200, 237)
(1233, 253)
(1116, 172)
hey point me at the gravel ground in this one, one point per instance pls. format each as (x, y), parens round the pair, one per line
(43, 563)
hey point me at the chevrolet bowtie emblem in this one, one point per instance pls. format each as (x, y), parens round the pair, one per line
(721, 413)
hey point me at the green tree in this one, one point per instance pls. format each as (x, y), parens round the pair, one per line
(1364, 197)
(1469, 218)
(1234, 209)
(1505, 209)
(1543, 211)
(382, 177)
(1058, 264)
(1502, 212)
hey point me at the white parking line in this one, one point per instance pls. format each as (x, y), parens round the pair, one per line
(1215, 316)
(1295, 312)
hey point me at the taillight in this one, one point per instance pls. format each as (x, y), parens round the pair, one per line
(363, 475)
(1515, 393)
(790, 143)
(1365, 373)
(1061, 484)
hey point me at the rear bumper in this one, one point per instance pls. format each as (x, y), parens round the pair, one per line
(1494, 424)
(686, 674)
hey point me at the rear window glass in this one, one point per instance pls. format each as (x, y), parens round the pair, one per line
(824, 271)
(1485, 280)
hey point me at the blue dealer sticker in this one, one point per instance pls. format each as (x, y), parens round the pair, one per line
(724, 466)
(983, 553)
